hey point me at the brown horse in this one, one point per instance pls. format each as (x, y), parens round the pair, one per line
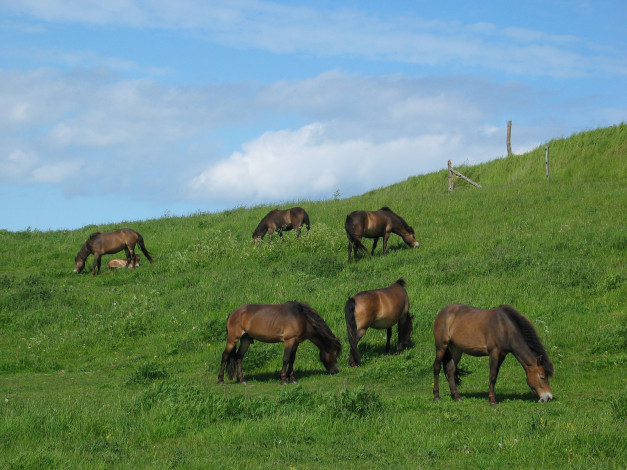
(122, 263)
(462, 329)
(379, 309)
(100, 244)
(376, 224)
(290, 323)
(281, 220)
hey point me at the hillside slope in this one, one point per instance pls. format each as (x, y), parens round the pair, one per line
(120, 369)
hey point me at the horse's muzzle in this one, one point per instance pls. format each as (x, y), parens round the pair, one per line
(545, 397)
(334, 370)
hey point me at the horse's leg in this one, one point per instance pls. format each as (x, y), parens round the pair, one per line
(385, 242)
(132, 257)
(374, 245)
(355, 358)
(96, 265)
(496, 359)
(289, 354)
(450, 368)
(225, 357)
(387, 344)
(437, 364)
(129, 257)
(290, 367)
(243, 347)
(350, 248)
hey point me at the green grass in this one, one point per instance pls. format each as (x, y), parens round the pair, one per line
(120, 370)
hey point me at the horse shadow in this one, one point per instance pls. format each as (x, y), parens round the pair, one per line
(269, 377)
(502, 397)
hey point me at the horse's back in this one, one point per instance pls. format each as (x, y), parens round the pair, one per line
(468, 328)
(381, 308)
(269, 323)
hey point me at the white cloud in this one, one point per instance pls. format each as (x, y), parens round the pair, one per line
(307, 163)
(284, 29)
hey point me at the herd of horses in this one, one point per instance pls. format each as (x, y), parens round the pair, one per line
(457, 329)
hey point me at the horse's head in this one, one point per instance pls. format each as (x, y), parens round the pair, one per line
(538, 381)
(410, 238)
(329, 355)
(80, 264)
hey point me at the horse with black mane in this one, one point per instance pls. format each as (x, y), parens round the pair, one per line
(99, 244)
(380, 309)
(290, 323)
(280, 221)
(376, 224)
(496, 332)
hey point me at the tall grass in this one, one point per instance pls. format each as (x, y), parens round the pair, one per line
(120, 370)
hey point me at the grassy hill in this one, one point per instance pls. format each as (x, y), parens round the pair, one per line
(120, 370)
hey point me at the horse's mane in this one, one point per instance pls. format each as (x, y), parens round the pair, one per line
(529, 335)
(86, 249)
(84, 252)
(406, 226)
(318, 324)
(401, 282)
(262, 228)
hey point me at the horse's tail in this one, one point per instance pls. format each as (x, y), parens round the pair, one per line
(231, 365)
(352, 237)
(351, 328)
(140, 241)
(459, 373)
(306, 220)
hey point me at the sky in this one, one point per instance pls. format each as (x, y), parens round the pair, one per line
(127, 110)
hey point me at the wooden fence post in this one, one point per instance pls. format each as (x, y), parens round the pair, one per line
(450, 176)
(509, 138)
(546, 161)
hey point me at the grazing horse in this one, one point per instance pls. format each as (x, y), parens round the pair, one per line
(376, 224)
(281, 220)
(462, 329)
(100, 244)
(122, 263)
(290, 323)
(379, 309)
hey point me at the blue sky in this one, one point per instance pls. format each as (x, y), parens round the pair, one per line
(129, 110)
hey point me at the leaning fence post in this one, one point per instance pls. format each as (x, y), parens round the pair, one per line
(450, 176)
(546, 161)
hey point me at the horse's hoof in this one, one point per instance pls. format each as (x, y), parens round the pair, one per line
(492, 403)
(436, 399)
(243, 382)
(220, 382)
(458, 399)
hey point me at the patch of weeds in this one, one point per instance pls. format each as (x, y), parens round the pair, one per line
(295, 396)
(619, 407)
(147, 373)
(351, 404)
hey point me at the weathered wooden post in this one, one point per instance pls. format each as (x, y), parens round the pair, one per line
(450, 176)
(546, 161)
(509, 138)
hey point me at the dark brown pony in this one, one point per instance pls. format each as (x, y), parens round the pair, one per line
(281, 220)
(379, 309)
(376, 224)
(290, 323)
(462, 329)
(99, 244)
